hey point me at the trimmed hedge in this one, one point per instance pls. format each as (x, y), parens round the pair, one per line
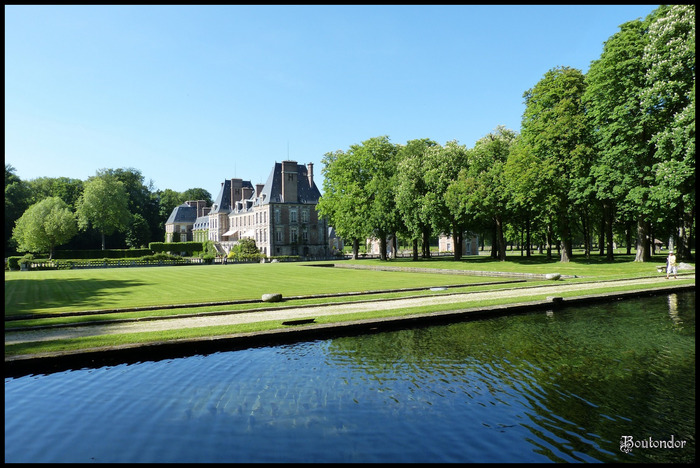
(188, 247)
(98, 253)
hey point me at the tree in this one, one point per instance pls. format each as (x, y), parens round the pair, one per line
(140, 200)
(480, 190)
(620, 174)
(45, 225)
(344, 202)
(378, 158)
(411, 191)
(555, 128)
(67, 189)
(442, 167)
(668, 99)
(196, 194)
(138, 233)
(104, 205)
(17, 196)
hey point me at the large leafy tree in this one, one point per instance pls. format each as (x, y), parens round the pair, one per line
(527, 196)
(45, 225)
(379, 158)
(442, 167)
(104, 205)
(411, 191)
(197, 194)
(344, 202)
(17, 200)
(554, 127)
(480, 190)
(620, 174)
(66, 188)
(668, 100)
(140, 200)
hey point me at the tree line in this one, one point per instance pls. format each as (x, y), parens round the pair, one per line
(603, 155)
(112, 208)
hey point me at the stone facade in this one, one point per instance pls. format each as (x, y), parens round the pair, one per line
(470, 244)
(279, 215)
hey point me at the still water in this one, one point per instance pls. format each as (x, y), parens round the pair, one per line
(564, 386)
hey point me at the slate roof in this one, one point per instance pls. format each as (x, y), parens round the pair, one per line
(183, 214)
(222, 204)
(201, 223)
(272, 193)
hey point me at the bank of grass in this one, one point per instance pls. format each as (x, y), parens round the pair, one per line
(58, 291)
(102, 341)
(50, 292)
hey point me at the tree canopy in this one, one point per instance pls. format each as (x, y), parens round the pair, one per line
(44, 225)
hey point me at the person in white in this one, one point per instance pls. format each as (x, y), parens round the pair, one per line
(671, 268)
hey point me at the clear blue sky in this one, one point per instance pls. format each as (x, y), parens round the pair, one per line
(193, 95)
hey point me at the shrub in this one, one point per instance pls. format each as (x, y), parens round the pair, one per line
(13, 263)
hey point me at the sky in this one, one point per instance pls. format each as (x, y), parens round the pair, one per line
(193, 95)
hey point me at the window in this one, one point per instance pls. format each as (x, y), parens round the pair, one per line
(277, 216)
(305, 236)
(293, 235)
(304, 216)
(279, 235)
(293, 215)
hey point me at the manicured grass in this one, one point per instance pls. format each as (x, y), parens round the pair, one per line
(55, 291)
(52, 292)
(595, 266)
(189, 333)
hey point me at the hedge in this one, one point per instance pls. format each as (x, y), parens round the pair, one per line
(187, 247)
(98, 253)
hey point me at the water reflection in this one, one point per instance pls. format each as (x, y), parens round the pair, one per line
(564, 386)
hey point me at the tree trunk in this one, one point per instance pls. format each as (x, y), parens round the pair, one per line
(642, 241)
(601, 232)
(355, 248)
(549, 241)
(609, 233)
(565, 249)
(382, 246)
(501, 241)
(457, 243)
(494, 243)
(628, 237)
(103, 240)
(528, 238)
(415, 250)
(426, 242)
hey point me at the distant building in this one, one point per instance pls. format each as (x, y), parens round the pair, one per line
(470, 244)
(279, 215)
(180, 226)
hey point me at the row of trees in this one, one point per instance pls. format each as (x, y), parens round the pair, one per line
(608, 152)
(114, 208)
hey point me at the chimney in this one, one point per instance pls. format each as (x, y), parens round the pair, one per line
(258, 189)
(310, 173)
(289, 181)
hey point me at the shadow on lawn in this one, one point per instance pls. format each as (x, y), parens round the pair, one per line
(26, 296)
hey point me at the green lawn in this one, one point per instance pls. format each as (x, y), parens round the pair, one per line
(55, 291)
(50, 293)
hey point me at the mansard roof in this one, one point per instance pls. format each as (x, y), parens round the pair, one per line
(222, 204)
(201, 223)
(183, 214)
(306, 193)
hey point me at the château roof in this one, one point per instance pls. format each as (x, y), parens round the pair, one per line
(306, 193)
(182, 214)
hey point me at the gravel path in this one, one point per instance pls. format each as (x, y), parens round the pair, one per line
(308, 312)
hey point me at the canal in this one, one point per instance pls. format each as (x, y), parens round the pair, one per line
(606, 383)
